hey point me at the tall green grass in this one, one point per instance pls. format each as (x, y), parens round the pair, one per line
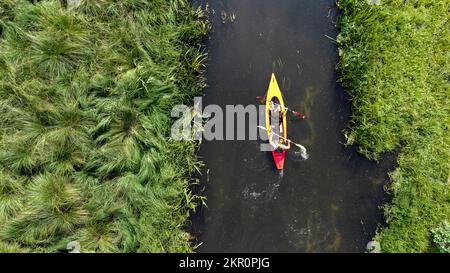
(394, 60)
(85, 100)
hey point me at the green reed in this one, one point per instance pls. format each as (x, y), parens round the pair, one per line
(394, 62)
(85, 99)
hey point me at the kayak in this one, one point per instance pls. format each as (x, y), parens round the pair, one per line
(274, 94)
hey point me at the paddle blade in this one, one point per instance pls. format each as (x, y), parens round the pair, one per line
(304, 155)
(261, 98)
(298, 114)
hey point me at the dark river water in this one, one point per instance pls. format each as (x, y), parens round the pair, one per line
(329, 203)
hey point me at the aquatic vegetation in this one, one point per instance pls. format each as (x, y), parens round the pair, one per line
(441, 237)
(85, 99)
(394, 62)
(228, 16)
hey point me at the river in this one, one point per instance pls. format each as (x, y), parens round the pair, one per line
(329, 203)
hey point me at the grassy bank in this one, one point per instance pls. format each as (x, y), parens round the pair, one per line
(395, 63)
(85, 100)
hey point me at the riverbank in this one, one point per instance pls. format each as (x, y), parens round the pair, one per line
(85, 98)
(394, 62)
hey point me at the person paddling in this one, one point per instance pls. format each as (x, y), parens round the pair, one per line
(275, 107)
(277, 114)
(298, 114)
(278, 145)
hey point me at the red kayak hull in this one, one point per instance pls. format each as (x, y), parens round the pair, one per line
(279, 159)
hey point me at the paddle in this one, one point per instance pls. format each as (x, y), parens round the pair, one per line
(296, 113)
(303, 152)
